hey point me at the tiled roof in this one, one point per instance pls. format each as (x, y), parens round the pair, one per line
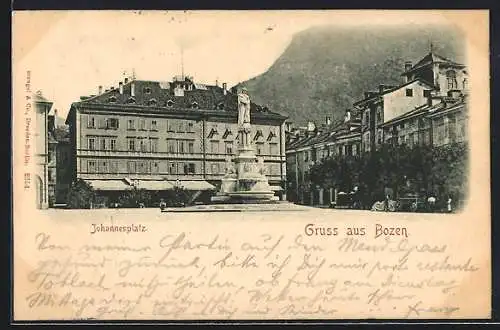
(432, 58)
(162, 94)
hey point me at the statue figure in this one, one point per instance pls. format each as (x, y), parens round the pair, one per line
(261, 167)
(243, 107)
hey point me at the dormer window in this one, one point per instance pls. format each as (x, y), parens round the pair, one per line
(220, 106)
(170, 103)
(152, 102)
(147, 90)
(131, 100)
(227, 133)
(258, 135)
(265, 109)
(112, 99)
(194, 105)
(271, 136)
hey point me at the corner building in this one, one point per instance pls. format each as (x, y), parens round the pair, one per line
(156, 135)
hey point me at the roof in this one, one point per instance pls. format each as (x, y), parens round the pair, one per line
(378, 94)
(431, 58)
(39, 98)
(197, 96)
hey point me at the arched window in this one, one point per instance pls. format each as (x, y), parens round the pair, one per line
(451, 78)
(131, 100)
(220, 106)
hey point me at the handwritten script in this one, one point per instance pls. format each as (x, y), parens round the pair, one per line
(186, 276)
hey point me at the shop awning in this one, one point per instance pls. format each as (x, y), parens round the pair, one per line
(153, 184)
(276, 188)
(109, 185)
(194, 185)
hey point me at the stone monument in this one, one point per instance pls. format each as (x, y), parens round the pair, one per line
(244, 180)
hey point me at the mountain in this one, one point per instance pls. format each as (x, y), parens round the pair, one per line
(325, 69)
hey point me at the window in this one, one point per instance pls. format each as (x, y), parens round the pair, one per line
(131, 167)
(153, 145)
(271, 136)
(131, 144)
(171, 146)
(143, 145)
(464, 83)
(260, 147)
(104, 167)
(112, 144)
(191, 147)
(190, 127)
(191, 168)
(147, 90)
(102, 123)
(182, 146)
(143, 167)
(112, 123)
(91, 166)
(194, 105)
(379, 114)
(367, 141)
(112, 99)
(427, 93)
(152, 102)
(113, 167)
(227, 133)
(170, 103)
(258, 134)
(142, 124)
(154, 125)
(180, 127)
(415, 139)
(131, 124)
(354, 149)
(451, 79)
(229, 147)
(155, 167)
(214, 147)
(91, 144)
(172, 168)
(213, 132)
(215, 168)
(409, 92)
(91, 122)
(131, 100)
(103, 144)
(273, 148)
(306, 156)
(170, 126)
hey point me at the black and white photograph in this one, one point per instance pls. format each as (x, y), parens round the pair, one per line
(260, 165)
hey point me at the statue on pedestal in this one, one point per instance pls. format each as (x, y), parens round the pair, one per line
(244, 117)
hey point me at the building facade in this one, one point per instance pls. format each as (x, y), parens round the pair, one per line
(155, 135)
(428, 108)
(41, 153)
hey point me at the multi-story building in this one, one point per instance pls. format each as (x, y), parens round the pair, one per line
(305, 147)
(432, 76)
(42, 107)
(155, 135)
(428, 107)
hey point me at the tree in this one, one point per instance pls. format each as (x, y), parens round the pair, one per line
(81, 195)
(135, 197)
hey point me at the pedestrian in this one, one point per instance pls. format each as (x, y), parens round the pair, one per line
(431, 201)
(449, 204)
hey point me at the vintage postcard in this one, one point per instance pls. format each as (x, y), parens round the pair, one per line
(251, 165)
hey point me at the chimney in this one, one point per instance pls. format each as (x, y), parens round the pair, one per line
(224, 88)
(132, 89)
(408, 66)
(100, 90)
(120, 87)
(126, 80)
(310, 126)
(382, 88)
(328, 120)
(217, 82)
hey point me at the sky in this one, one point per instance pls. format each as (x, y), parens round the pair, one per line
(71, 53)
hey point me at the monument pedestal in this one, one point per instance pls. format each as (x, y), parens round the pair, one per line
(245, 182)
